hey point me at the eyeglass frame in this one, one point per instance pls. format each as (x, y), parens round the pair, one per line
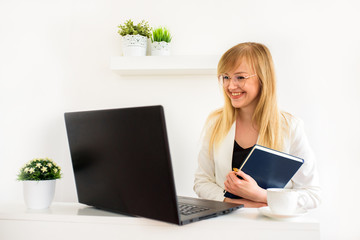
(235, 80)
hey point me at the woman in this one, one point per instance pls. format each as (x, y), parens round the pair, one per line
(250, 116)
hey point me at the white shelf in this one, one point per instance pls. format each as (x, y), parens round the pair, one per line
(166, 65)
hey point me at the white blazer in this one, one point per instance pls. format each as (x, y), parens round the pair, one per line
(212, 170)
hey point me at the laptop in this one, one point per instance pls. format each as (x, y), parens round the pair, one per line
(121, 161)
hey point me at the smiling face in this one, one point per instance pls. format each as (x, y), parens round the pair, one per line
(247, 96)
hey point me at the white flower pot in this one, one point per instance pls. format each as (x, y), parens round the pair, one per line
(134, 45)
(38, 194)
(160, 49)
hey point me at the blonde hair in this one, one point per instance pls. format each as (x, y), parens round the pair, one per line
(267, 117)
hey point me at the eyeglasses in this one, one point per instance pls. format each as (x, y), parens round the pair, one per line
(238, 79)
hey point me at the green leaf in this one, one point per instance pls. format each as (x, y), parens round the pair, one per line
(129, 28)
(161, 34)
(40, 169)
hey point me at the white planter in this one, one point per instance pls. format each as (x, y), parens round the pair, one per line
(38, 194)
(134, 45)
(160, 49)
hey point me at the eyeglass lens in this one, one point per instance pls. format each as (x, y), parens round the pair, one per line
(238, 80)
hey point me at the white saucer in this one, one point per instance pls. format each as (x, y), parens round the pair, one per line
(267, 212)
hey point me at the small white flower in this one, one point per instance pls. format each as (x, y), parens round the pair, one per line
(31, 170)
(38, 165)
(55, 170)
(49, 165)
(44, 169)
(26, 170)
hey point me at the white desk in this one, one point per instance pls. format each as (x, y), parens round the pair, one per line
(74, 220)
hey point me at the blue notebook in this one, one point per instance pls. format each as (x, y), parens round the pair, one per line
(269, 168)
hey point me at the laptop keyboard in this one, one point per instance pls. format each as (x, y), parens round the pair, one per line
(188, 209)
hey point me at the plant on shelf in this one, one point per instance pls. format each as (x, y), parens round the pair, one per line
(135, 37)
(161, 34)
(40, 169)
(129, 28)
(161, 39)
(39, 177)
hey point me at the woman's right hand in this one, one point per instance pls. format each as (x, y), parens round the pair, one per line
(246, 187)
(247, 203)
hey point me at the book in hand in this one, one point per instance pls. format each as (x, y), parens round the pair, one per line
(269, 168)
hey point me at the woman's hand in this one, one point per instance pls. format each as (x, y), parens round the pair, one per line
(246, 187)
(247, 203)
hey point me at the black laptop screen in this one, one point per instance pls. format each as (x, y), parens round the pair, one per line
(121, 161)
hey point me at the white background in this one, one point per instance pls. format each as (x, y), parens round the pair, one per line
(55, 57)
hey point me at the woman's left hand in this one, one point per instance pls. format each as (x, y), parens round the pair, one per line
(246, 187)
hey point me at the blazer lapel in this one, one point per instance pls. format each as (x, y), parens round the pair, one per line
(223, 156)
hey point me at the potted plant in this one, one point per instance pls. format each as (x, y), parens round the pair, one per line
(39, 177)
(135, 37)
(161, 39)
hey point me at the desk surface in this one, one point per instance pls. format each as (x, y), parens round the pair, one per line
(72, 220)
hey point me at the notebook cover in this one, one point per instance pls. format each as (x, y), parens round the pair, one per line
(269, 169)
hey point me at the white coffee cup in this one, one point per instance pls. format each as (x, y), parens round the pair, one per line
(284, 201)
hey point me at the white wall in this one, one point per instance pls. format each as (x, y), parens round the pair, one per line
(55, 57)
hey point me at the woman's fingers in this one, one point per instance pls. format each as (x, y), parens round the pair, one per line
(232, 182)
(243, 175)
(234, 178)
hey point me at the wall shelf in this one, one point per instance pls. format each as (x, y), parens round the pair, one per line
(165, 65)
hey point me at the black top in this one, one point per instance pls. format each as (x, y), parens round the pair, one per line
(239, 155)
